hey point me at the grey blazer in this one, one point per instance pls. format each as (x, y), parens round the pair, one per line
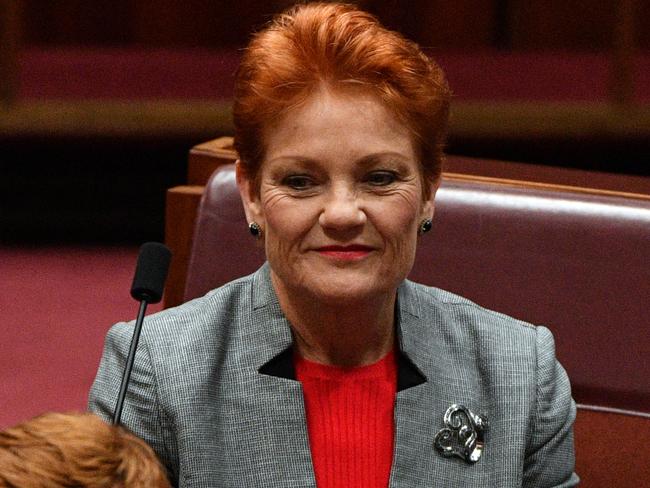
(212, 391)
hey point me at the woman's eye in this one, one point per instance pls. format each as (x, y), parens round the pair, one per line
(381, 178)
(298, 182)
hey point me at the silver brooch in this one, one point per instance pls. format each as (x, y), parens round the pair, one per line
(464, 435)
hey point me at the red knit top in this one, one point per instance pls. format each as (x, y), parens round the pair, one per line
(350, 421)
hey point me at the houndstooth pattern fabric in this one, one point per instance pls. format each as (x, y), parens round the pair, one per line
(197, 398)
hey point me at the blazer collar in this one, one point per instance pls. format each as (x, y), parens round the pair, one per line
(279, 362)
(429, 381)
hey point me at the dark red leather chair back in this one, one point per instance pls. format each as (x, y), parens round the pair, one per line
(577, 262)
(222, 247)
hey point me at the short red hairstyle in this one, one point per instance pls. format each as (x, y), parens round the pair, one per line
(340, 46)
(58, 450)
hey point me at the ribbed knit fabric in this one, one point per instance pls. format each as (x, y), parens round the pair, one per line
(350, 421)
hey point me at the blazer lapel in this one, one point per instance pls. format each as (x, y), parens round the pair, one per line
(430, 380)
(419, 410)
(285, 454)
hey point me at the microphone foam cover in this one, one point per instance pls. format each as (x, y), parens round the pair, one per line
(151, 272)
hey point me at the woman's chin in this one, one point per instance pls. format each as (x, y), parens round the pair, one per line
(341, 289)
(329, 285)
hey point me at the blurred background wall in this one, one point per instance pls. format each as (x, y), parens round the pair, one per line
(101, 100)
(509, 24)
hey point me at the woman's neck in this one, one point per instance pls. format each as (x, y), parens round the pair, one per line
(346, 333)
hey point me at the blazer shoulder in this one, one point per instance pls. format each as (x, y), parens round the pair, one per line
(205, 316)
(463, 317)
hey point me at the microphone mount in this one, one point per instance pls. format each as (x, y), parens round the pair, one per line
(148, 284)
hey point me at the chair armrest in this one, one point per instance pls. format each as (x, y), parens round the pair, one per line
(181, 207)
(204, 158)
(610, 447)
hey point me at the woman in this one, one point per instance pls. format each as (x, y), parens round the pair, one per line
(327, 367)
(58, 450)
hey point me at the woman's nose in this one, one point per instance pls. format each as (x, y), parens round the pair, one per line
(341, 210)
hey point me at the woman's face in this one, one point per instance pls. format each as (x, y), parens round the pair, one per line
(340, 199)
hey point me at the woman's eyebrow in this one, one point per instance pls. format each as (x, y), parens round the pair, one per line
(289, 161)
(288, 158)
(363, 162)
(380, 157)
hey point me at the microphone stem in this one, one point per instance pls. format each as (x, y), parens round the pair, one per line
(129, 363)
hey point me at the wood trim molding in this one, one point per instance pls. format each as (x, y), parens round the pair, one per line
(181, 208)
(543, 186)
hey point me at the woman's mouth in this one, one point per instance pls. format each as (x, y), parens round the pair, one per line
(352, 252)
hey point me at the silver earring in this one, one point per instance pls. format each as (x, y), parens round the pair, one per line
(425, 226)
(255, 230)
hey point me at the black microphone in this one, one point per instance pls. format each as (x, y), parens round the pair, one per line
(151, 272)
(147, 287)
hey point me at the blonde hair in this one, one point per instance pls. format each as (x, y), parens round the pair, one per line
(76, 450)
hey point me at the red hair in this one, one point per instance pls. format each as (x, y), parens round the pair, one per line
(76, 449)
(340, 46)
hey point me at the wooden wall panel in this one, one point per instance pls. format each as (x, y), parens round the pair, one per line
(459, 24)
(10, 34)
(562, 24)
(642, 27)
(198, 22)
(573, 24)
(208, 23)
(73, 22)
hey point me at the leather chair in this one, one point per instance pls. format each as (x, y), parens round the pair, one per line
(573, 259)
(183, 201)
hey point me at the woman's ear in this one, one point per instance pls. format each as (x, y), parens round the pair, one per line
(428, 204)
(249, 195)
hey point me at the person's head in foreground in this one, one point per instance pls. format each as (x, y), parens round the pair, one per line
(76, 450)
(340, 126)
